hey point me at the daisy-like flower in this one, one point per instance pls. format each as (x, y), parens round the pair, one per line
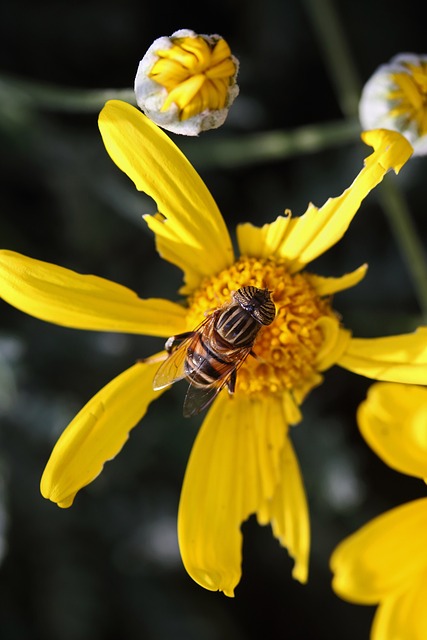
(242, 462)
(385, 562)
(395, 97)
(186, 83)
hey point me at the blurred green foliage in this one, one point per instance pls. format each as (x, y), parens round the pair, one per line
(109, 567)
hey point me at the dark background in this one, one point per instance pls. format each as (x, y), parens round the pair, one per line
(109, 567)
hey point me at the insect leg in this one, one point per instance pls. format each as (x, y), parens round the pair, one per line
(231, 382)
(174, 341)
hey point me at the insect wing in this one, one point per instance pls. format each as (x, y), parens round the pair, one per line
(172, 369)
(198, 398)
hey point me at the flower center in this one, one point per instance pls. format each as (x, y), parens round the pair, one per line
(287, 349)
(410, 96)
(196, 74)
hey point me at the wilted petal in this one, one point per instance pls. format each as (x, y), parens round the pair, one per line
(70, 299)
(190, 232)
(401, 358)
(383, 556)
(301, 240)
(98, 433)
(393, 421)
(235, 469)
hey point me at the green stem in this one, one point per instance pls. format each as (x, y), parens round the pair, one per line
(228, 151)
(32, 95)
(238, 151)
(400, 220)
(337, 55)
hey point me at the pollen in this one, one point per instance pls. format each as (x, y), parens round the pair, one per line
(409, 96)
(196, 72)
(286, 351)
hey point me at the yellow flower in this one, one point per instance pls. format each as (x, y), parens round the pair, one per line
(242, 461)
(385, 562)
(395, 97)
(186, 83)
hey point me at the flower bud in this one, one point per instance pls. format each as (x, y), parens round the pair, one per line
(186, 83)
(395, 97)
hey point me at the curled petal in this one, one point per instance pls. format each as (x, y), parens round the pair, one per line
(383, 556)
(190, 231)
(98, 433)
(401, 358)
(334, 344)
(70, 299)
(329, 286)
(301, 240)
(393, 421)
(236, 469)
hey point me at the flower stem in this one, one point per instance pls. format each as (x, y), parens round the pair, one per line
(238, 151)
(229, 151)
(337, 56)
(34, 95)
(400, 220)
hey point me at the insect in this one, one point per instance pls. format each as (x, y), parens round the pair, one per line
(209, 357)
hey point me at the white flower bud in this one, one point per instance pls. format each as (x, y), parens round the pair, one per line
(395, 97)
(186, 83)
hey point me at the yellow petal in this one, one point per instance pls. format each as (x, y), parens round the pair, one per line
(301, 240)
(67, 298)
(329, 286)
(382, 556)
(184, 92)
(335, 341)
(403, 614)
(288, 513)
(265, 241)
(190, 232)
(393, 421)
(98, 433)
(401, 358)
(236, 467)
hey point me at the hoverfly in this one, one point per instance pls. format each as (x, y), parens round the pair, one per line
(209, 357)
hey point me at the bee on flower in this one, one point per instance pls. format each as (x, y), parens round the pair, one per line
(210, 356)
(263, 302)
(385, 562)
(186, 83)
(395, 97)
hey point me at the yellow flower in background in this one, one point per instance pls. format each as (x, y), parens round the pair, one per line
(395, 97)
(242, 462)
(186, 83)
(385, 562)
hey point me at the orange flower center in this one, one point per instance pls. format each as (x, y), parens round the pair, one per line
(287, 350)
